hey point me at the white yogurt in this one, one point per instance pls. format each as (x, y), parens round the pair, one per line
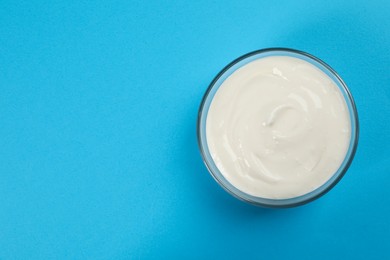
(278, 128)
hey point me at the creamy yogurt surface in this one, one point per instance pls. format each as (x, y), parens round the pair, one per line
(278, 128)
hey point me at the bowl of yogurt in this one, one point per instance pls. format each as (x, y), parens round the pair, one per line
(277, 128)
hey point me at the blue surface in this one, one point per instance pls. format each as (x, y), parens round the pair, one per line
(98, 152)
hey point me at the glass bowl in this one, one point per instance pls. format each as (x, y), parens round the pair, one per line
(205, 105)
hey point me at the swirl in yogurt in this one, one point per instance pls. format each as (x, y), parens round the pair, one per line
(278, 128)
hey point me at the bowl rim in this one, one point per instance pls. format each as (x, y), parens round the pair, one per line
(265, 202)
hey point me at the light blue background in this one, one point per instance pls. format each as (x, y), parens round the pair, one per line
(98, 150)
